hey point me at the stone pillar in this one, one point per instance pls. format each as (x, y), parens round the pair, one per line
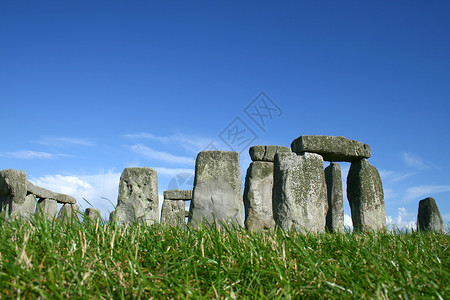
(300, 193)
(138, 197)
(92, 214)
(69, 212)
(365, 195)
(259, 186)
(13, 192)
(173, 210)
(46, 208)
(335, 214)
(217, 195)
(429, 218)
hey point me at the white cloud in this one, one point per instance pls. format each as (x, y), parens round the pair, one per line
(27, 154)
(348, 221)
(418, 192)
(402, 221)
(94, 188)
(391, 176)
(414, 161)
(64, 141)
(161, 156)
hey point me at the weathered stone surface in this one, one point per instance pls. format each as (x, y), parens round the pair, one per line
(300, 193)
(266, 153)
(429, 218)
(217, 192)
(173, 212)
(365, 195)
(258, 196)
(24, 210)
(47, 194)
(335, 215)
(68, 213)
(178, 194)
(92, 214)
(46, 208)
(13, 191)
(138, 197)
(332, 148)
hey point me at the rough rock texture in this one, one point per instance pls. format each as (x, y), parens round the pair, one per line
(24, 210)
(68, 213)
(429, 218)
(42, 193)
(365, 195)
(92, 214)
(332, 148)
(335, 215)
(258, 196)
(217, 189)
(138, 197)
(13, 191)
(173, 212)
(300, 192)
(178, 194)
(46, 208)
(266, 153)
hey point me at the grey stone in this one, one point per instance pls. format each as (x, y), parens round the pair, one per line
(24, 210)
(178, 194)
(217, 192)
(138, 197)
(46, 208)
(47, 194)
(300, 192)
(13, 191)
(68, 213)
(258, 196)
(332, 148)
(335, 214)
(266, 153)
(92, 214)
(173, 212)
(365, 195)
(429, 218)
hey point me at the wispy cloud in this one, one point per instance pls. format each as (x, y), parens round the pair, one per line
(161, 156)
(392, 176)
(416, 162)
(28, 154)
(418, 192)
(64, 141)
(147, 136)
(404, 220)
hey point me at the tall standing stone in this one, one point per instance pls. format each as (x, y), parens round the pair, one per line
(300, 193)
(138, 197)
(68, 213)
(365, 195)
(13, 192)
(217, 192)
(46, 208)
(173, 210)
(429, 218)
(258, 196)
(335, 214)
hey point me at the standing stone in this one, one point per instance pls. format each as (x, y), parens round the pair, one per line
(429, 218)
(365, 195)
(92, 214)
(300, 193)
(173, 212)
(258, 196)
(217, 192)
(335, 214)
(138, 197)
(46, 208)
(69, 212)
(332, 148)
(13, 191)
(24, 210)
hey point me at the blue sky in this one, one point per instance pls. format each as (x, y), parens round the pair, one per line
(88, 88)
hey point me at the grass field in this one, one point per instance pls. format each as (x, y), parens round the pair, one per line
(94, 260)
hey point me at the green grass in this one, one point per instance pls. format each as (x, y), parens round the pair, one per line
(54, 260)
